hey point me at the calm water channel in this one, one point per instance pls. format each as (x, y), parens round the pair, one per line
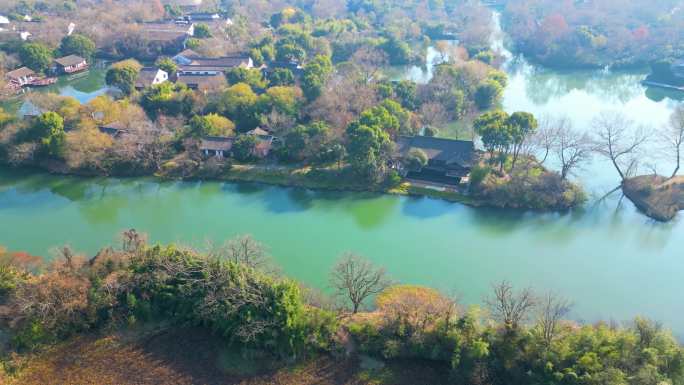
(613, 262)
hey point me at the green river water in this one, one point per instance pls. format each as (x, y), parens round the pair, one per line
(612, 261)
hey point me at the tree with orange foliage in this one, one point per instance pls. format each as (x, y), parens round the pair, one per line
(415, 309)
(14, 268)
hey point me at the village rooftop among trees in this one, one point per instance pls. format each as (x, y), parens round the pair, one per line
(282, 95)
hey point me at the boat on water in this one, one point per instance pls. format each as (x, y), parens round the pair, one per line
(42, 82)
(76, 69)
(78, 74)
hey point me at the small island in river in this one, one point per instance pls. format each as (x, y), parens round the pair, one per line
(656, 196)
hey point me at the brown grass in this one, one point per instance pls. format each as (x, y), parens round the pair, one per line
(193, 356)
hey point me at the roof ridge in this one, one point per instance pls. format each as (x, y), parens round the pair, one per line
(424, 137)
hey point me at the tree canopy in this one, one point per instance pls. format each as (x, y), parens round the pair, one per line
(36, 56)
(77, 44)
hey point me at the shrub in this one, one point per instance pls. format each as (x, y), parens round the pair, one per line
(488, 94)
(416, 159)
(243, 148)
(238, 302)
(392, 178)
(202, 31)
(478, 175)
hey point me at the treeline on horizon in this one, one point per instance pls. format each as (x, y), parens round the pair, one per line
(621, 33)
(516, 337)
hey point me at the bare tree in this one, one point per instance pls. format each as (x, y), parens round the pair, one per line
(619, 140)
(356, 279)
(243, 249)
(369, 61)
(571, 147)
(344, 98)
(279, 123)
(552, 309)
(545, 138)
(510, 307)
(672, 137)
(433, 114)
(132, 241)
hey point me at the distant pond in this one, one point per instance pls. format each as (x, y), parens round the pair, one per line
(83, 87)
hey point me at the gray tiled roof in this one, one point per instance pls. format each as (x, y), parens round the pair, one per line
(70, 60)
(216, 143)
(449, 151)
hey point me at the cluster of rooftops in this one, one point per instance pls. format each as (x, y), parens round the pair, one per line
(449, 161)
(220, 146)
(194, 70)
(24, 76)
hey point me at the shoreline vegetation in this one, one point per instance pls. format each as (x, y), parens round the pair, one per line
(540, 190)
(152, 314)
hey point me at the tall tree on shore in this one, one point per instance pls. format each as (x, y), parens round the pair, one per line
(356, 279)
(123, 75)
(492, 127)
(77, 44)
(522, 125)
(672, 137)
(571, 147)
(619, 140)
(49, 127)
(511, 307)
(552, 310)
(36, 56)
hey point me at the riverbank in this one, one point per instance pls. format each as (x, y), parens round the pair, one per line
(160, 356)
(114, 318)
(309, 229)
(533, 192)
(656, 196)
(338, 180)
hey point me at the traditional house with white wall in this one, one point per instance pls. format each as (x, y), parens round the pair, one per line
(69, 64)
(21, 76)
(191, 63)
(150, 76)
(216, 146)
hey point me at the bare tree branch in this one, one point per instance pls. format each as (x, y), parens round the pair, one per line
(552, 310)
(672, 137)
(510, 307)
(356, 279)
(619, 140)
(571, 147)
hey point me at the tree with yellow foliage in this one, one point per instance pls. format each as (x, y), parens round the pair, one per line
(86, 147)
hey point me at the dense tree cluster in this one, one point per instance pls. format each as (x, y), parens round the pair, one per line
(325, 95)
(140, 284)
(596, 33)
(321, 87)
